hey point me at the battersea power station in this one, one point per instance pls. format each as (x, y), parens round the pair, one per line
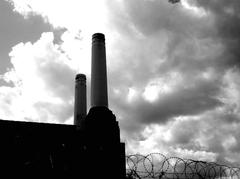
(91, 148)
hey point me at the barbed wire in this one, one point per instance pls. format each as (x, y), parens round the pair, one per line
(158, 166)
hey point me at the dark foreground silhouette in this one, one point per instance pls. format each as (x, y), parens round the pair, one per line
(42, 150)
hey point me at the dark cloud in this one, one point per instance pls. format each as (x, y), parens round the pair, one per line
(184, 136)
(183, 102)
(57, 35)
(150, 17)
(211, 132)
(173, 41)
(227, 17)
(155, 39)
(61, 84)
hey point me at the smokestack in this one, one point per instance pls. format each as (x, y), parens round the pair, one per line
(99, 94)
(80, 106)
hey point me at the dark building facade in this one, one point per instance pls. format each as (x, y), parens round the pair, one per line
(91, 148)
(38, 149)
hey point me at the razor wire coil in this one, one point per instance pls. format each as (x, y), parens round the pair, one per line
(158, 166)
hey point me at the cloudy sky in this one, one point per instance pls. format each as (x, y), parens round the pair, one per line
(173, 69)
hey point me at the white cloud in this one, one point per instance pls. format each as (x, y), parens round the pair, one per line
(89, 16)
(9, 100)
(78, 50)
(195, 155)
(194, 9)
(43, 82)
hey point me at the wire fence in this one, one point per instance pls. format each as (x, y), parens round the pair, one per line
(158, 166)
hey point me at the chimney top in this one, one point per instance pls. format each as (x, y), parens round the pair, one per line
(80, 77)
(98, 37)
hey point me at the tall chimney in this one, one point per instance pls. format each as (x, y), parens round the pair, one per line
(99, 94)
(80, 106)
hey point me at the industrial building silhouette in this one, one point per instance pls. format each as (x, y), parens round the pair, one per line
(91, 148)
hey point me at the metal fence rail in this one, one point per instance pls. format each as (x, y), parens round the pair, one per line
(158, 166)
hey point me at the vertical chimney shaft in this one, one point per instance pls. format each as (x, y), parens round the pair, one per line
(80, 106)
(99, 94)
